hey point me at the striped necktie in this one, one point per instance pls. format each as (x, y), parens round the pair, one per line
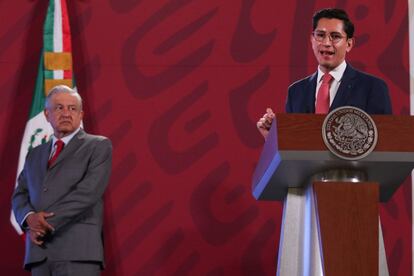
(59, 147)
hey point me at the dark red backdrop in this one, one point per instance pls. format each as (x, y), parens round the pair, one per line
(178, 86)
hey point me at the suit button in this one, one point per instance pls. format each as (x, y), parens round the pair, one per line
(44, 189)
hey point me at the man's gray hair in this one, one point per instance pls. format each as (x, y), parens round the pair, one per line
(62, 89)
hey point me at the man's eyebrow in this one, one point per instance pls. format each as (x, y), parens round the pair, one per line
(321, 31)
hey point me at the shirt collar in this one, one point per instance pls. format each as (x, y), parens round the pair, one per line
(65, 139)
(336, 73)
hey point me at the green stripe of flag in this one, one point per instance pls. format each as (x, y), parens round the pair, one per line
(48, 27)
(38, 95)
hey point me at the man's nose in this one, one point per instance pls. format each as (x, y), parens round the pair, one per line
(65, 111)
(327, 40)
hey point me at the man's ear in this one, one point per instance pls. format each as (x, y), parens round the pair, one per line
(46, 112)
(350, 44)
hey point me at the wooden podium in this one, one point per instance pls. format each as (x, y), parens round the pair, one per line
(330, 217)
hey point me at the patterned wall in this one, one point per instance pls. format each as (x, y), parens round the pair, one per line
(178, 86)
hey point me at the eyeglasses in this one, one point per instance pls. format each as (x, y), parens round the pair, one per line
(334, 37)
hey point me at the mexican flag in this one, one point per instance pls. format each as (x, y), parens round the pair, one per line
(55, 68)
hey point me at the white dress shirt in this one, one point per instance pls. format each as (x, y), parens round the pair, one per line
(337, 74)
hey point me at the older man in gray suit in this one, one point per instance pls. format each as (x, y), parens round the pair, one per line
(58, 199)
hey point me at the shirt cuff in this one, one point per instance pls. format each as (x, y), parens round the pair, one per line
(23, 222)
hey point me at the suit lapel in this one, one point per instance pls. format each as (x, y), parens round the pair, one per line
(44, 157)
(70, 148)
(345, 88)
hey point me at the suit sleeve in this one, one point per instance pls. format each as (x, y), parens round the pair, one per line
(288, 105)
(20, 199)
(88, 191)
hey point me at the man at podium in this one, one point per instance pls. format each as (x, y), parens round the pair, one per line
(335, 83)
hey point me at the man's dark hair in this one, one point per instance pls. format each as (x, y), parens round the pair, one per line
(335, 14)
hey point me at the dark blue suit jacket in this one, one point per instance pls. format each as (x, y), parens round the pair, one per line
(357, 89)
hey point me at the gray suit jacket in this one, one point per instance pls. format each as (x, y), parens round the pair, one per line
(72, 188)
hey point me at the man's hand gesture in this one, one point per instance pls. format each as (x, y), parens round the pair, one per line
(264, 123)
(38, 226)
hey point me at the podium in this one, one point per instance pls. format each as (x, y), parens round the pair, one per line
(330, 217)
